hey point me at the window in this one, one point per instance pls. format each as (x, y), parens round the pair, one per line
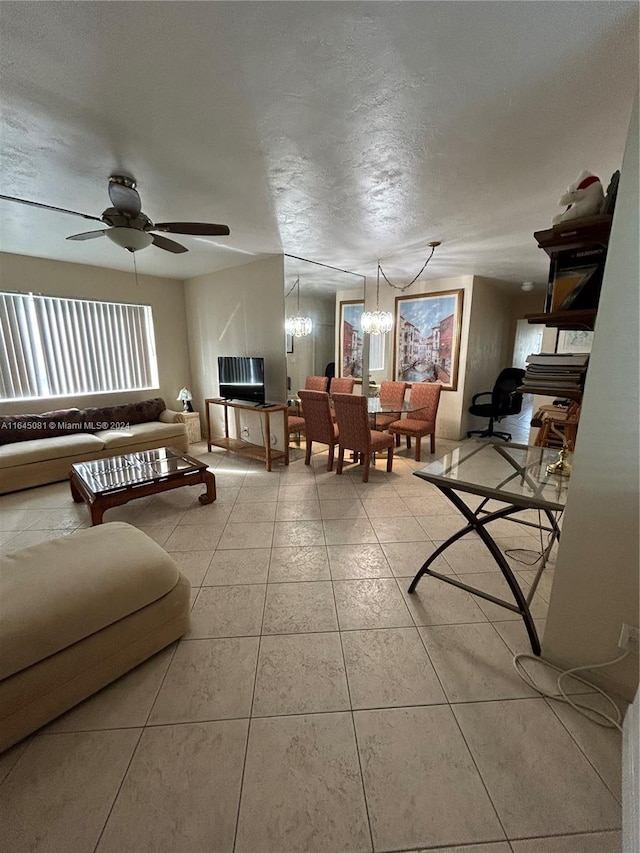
(376, 352)
(52, 347)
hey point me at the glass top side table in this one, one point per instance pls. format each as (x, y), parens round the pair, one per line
(514, 475)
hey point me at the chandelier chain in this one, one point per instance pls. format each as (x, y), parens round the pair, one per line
(413, 280)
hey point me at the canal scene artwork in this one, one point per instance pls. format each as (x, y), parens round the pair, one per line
(351, 339)
(427, 338)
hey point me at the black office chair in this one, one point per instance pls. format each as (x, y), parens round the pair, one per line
(505, 400)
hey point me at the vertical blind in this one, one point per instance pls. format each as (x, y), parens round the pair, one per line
(52, 347)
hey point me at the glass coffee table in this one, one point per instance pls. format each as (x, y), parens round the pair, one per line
(514, 475)
(105, 483)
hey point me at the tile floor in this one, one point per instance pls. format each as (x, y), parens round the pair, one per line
(314, 705)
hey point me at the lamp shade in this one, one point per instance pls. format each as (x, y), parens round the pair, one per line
(132, 239)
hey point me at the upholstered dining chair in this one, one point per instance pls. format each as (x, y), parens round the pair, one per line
(355, 434)
(341, 386)
(421, 420)
(295, 425)
(391, 396)
(319, 425)
(316, 383)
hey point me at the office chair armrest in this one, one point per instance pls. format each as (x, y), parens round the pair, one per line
(481, 394)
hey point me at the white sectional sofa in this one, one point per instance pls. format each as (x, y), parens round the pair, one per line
(39, 449)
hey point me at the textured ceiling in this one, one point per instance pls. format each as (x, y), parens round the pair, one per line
(340, 132)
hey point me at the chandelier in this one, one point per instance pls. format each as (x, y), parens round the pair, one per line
(377, 322)
(298, 326)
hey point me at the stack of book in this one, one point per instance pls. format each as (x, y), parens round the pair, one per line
(562, 372)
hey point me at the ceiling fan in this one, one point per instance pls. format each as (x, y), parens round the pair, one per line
(129, 227)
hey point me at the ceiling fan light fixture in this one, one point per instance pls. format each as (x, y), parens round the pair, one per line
(131, 239)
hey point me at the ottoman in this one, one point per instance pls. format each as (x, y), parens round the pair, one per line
(75, 614)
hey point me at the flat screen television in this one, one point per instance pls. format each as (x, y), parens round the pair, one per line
(241, 378)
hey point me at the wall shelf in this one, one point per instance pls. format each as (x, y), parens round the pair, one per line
(552, 392)
(581, 320)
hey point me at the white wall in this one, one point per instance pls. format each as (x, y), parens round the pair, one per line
(238, 311)
(165, 295)
(596, 582)
(490, 345)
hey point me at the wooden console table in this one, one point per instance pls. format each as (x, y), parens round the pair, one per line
(246, 448)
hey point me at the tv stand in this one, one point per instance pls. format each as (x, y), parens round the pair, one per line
(246, 448)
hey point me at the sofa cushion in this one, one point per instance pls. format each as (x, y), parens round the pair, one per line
(140, 434)
(113, 417)
(15, 428)
(94, 578)
(44, 449)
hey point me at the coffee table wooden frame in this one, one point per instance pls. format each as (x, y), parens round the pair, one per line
(100, 502)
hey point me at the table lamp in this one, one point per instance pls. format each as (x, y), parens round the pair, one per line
(185, 398)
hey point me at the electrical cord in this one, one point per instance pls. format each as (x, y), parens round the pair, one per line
(597, 717)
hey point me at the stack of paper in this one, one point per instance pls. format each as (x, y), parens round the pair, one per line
(561, 372)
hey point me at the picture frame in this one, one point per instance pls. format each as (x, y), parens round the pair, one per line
(573, 341)
(351, 339)
(289, 343)
(426, 346)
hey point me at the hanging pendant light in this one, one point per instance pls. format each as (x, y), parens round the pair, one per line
(377, 322)
(298, 326)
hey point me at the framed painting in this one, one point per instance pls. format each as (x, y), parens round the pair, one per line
(427, 338)
(289, 340)
(574, 340)
(351, 340)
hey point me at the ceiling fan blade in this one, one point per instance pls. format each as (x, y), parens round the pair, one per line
(50, 207)
(169, 245)
(203, 229)
(125, 199)
(87, 235)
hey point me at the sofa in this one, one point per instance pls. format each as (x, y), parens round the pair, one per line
(39, 449)
(78, 612)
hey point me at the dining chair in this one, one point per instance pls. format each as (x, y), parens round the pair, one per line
(421, 420)
(392, 397)
(319, 425)
(316, 383)
(342, 386)
(295, 424)
(355, 434)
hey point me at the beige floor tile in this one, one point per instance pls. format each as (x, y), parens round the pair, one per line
(473, 663)
(421, 784)
(247, 535)
(385, 507)
(423, 503)
(336, 488)
(208, 680)
(469, 556)
(193, 564)
(298, 511)
(58, 519)
(545, 583)
(349, 508)
(252, 512)
(26, 538)
(300, 674)
(405, 558)
(538, 779)
(246, 565)
(370, 603)
(215, 513)
(389, 668)
(297, 534)
(194, 537)
(58, 795)
(436, 602)
(603, 747)
(306, 492)
(159, 534)
(123, 704)
(357, 561)
(22, 519)
(441, 526)
(349, 531)
(156, 515)
(299, 564)
(250, 493)
(373, 490)
(496, 847)
(600, 842)
(299, 608)
(227, 611)
(398, 530)
(302, 789)
(181, 792)
(495, 584)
